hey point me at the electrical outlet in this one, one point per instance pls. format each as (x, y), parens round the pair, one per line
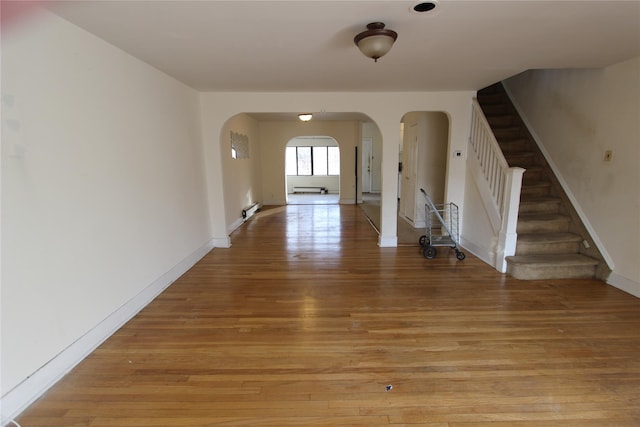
(608, 155)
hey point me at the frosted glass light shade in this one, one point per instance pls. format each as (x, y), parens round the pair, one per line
(376, 41)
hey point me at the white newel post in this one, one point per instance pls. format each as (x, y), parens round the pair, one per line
(508, 236)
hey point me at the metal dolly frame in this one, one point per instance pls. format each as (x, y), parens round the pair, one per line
(442, 217)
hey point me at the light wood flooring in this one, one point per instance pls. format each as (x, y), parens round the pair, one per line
(305, 321)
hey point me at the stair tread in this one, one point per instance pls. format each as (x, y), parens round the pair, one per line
(539, 199)
(500, 122)
(511, 128)
(531, 204)
(497, 114)
(548, 237)
(514, 146)
(522, 153)
(553, 260)
(542, 217)
(533, 171)
(538, 184)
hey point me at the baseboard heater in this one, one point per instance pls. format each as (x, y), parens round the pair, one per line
(249, 211)
(321, 190)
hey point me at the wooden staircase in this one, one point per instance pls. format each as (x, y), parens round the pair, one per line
(550, 235)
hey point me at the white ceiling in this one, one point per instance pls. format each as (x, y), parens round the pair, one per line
(303, 45)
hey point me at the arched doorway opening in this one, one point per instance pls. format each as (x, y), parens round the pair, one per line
(423, 165)
(312, 170)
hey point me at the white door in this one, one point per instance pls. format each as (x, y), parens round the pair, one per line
(367, 144)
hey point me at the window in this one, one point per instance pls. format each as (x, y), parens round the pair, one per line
(313, 161)
(304, 161)
(333, 159)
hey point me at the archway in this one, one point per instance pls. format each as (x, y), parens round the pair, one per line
(423, 165)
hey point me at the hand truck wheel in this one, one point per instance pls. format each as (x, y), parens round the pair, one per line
(423, 241)
(430, 252)
(460, 255)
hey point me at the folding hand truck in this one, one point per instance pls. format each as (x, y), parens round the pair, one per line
(441, 228)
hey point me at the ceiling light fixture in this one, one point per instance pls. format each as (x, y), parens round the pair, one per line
(427, 6)
(376, 41)
(305, 117)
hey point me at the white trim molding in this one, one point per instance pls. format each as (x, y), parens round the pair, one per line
(486, 254)
(25, 393)
(388, 242)
(624, 284)
(234, 226)
(221, 242)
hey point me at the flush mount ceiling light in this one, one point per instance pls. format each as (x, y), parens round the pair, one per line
(376, 41)
(305, 117)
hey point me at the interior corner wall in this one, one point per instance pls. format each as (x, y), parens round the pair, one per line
(241, 177)
(576, 116)
(103, 189)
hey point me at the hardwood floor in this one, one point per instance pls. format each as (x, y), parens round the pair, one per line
(305, 321)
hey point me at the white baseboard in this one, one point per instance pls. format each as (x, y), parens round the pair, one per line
(348, 201)
(624, 284)
(25, 393)
(237, 223)
(388, 242)
(221, 242)
(483, 253)
(419, 224)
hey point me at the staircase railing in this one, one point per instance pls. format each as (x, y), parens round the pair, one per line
(498, 184)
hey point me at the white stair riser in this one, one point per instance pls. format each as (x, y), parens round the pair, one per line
(547, 248)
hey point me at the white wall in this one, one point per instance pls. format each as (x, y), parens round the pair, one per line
(432, 170)
(370, 130)
(576, 116)
(274, 137)
(385, 109)
(478, 237)
(103, 188)
(242, 176)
